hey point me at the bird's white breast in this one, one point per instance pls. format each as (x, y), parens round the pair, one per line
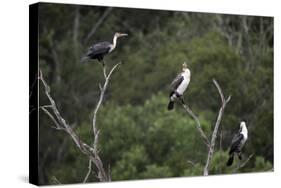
(244, 132)
(182, 87)
(245, 136)
(111, 48)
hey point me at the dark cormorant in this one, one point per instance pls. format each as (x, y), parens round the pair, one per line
(237, 143)
(99, 50)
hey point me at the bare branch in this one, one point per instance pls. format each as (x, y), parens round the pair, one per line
(89, 171)
(220, 149)
(56, 60)
(244, 163)
(61, 123)
(100, 87)
(32, 86)
(55, 180)
(109, 172)
(52, 118)
(214, 135)
(103, 89)
(32, 110)
(198, 125)
(102, 174)
(100, 21)
(104, 71)
(91, 152)
(219, 90)
(60, 120)
(76, 26)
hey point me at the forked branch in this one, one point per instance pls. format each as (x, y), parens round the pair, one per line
(57, 119)
(102, 173)
(214, 135)
(102, 92)
(60, 124)
(209, 144)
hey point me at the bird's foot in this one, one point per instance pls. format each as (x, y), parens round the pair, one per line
(182, 100)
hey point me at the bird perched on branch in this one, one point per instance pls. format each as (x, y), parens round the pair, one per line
(179, 85)
(237, 143)
(99, 50)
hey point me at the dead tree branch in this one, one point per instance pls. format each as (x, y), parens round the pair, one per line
(58, 127)
(209, 144)
(102, 92)
(214, 135)
(89, 171)
(55, 180)
(198, 125)
(58, 120)
(100, 21)
(244, 163)
(76, 26)
(61, 124)
(101, 174)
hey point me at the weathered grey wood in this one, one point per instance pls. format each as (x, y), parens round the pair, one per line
(198, 125)
(60, 124)
(214, 135)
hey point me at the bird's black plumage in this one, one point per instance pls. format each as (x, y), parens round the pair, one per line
(235, 148)
(176, 82)
(99, 50)
(174, 85)
(237, 143)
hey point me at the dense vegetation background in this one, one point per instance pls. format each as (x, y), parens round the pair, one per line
(139, 137)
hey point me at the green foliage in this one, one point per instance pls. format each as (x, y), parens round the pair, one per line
(218, 163)
(165, 134)
(262, 165)
(131, 163)
(139, 137)
(154, 171)
(193, 170)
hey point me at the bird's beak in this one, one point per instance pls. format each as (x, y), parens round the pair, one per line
(123, 35)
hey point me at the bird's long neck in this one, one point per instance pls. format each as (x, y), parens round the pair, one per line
(114, 43)
(186, 73)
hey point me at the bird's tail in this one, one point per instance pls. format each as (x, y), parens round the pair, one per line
(84, 59)
(230, 160)
(171, 105)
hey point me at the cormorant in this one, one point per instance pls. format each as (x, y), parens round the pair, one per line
(99, 50)
(179, 85)
(237, 143)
